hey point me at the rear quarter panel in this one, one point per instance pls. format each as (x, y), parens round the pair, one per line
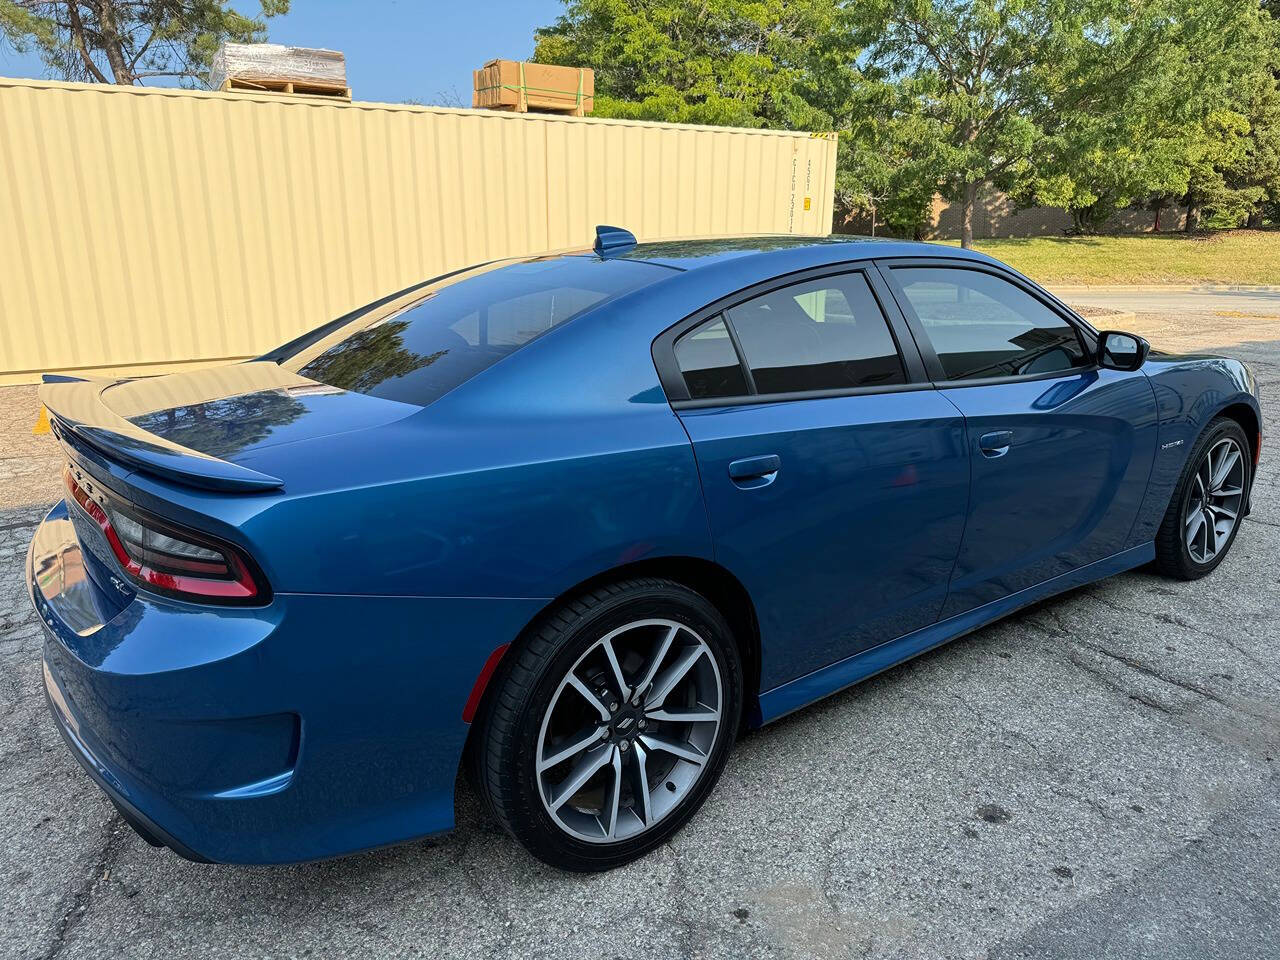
(561, 461)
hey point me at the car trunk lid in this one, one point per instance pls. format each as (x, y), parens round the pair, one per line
(196, 428)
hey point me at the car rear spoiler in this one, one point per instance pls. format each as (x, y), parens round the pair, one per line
(77, 414)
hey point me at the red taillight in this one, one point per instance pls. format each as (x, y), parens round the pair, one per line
(165, 557)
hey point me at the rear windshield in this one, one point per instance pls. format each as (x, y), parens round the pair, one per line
(449, 331)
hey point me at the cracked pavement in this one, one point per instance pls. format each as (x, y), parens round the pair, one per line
(1096, 776)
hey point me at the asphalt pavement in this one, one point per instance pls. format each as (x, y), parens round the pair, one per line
(1095, 777)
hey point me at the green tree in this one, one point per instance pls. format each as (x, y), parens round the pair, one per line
(1218, 151)
(1265, 153)
(888, 149)
(749, 63)
(1094, 165)
(129, 41)
(1178, 131)
(889, 157)
(1231, 151)
(993, 74)
(1242, 176)
(1260, 166)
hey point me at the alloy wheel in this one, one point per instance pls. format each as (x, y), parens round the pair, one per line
(629, 730)
(1213, 507)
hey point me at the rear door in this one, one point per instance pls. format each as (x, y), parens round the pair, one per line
(835, 475)
(1061, 449)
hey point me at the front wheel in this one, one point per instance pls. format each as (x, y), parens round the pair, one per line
(1208, 504)
(611, 724)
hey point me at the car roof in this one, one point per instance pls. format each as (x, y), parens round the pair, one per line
(694, 253)
(698, 253)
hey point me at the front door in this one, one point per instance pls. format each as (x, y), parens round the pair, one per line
(835, 476)
(1061, 450)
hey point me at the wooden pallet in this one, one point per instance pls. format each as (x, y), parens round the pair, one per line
(232, 85)
(569, 109)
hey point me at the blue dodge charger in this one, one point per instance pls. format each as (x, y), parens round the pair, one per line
(575, 522)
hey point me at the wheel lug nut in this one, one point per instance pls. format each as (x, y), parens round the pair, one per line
(641, 723)
(613, 708)
(624, 746)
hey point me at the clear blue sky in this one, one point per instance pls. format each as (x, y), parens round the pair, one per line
(396, 49)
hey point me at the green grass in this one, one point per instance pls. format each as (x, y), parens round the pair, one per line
(1228, 256)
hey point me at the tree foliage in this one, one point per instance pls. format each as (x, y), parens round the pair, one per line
(727, 62)
(129, 41)
(971, 70)
(1087, 105)
(1234, 161)
(890, 155)
(1180, 126)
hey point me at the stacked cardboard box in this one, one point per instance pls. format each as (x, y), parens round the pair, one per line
(280, 69)
(521, 87)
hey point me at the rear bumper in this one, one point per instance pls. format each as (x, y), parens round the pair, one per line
(152, 832)
(311, 727)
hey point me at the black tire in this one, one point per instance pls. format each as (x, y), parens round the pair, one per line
(530, 673)
(1173, 557)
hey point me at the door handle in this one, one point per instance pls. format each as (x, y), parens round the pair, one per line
(996, 443)
(753, 472)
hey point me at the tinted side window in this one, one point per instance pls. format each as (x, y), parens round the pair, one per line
(825, 334)
(983, 326)
(709, 362)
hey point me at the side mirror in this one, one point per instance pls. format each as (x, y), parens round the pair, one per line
(1121, 351)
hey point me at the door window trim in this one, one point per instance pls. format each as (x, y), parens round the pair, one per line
(677, 391)
(938, 377)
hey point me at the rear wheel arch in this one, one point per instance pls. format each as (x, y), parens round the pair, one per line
(720, 587)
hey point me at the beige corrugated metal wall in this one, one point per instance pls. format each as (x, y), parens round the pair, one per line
(142, 229)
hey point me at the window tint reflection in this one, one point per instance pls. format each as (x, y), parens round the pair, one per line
(983, 326)
(709, 362)
(225, 426)
(467, 323)
(826, 334)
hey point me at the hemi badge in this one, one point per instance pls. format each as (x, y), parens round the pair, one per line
(1172, 443)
